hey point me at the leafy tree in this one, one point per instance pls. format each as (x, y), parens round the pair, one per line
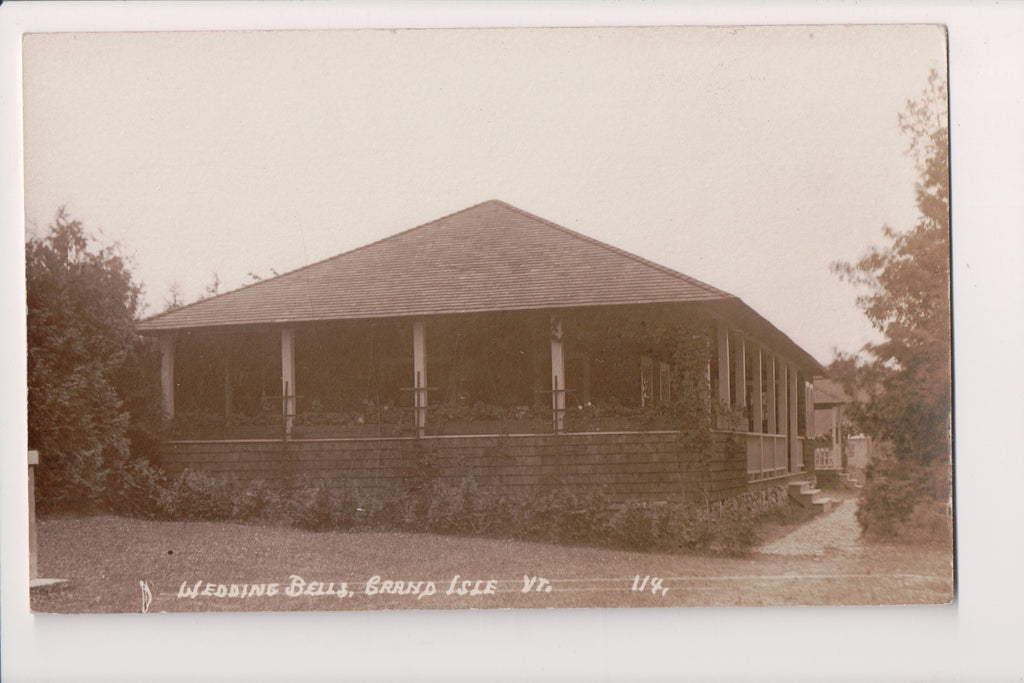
(85, 366)
(906, 377)
(904, 381)
(173, 301)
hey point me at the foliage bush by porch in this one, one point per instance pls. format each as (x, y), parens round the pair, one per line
(89, 403)
(905, 501)
(558, 515)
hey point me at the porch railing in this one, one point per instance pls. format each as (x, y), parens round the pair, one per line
(766, 455)
(825, 459)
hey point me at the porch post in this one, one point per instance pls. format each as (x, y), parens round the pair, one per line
(741, 372)
(835, 426)
(782, 412)
(842, 441)
(757, 409)
(837, 449)
(795, 456)
(771, 393)
(707, 362)
(758, 397)
(557, 375)
(809, 408)
(419, 363)
(288, 377)
(167, 374)
(723, 373)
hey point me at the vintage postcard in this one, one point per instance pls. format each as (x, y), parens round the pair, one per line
(450, 319)
(442, 319)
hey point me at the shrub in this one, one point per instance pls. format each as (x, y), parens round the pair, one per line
(258, 501)
(497, 512)
(672, 528)
(638, 526)
(566, 515)
(133, 487)
(439, 508)
(733, 533)
(86, 403)
(906, 501)
(560, 514)
(319, 505)
(199, 496)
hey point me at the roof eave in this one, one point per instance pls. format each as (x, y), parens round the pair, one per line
(155, 325)
(736, 311)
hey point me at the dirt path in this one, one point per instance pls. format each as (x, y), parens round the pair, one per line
(837, 530)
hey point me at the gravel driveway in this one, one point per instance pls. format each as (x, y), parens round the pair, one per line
(837, 530)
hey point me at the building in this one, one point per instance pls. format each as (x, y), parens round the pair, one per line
(836, 449)
(490, 344)
(829, 401)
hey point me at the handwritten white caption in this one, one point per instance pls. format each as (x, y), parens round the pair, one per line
(296, 587)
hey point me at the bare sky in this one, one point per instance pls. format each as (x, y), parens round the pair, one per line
(750, 158)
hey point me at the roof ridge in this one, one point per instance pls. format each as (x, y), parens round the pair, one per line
(295, 271)
(617, 250)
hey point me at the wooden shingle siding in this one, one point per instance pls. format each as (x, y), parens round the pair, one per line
(641, 465)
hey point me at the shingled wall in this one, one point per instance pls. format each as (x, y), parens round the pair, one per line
(624, 465)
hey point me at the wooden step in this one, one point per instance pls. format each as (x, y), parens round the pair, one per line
(802, 492)
(809, 497)
(824, 505)
(849, 482)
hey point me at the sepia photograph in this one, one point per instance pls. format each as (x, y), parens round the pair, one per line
(693, 348)
(391, 319)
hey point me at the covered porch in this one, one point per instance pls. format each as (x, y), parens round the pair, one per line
(766, 399)
(576, 371)
(529, 372)
(489, 322)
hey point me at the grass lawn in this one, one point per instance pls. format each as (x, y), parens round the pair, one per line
(104, 559)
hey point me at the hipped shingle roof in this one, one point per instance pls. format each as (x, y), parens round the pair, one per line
(489, 257)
